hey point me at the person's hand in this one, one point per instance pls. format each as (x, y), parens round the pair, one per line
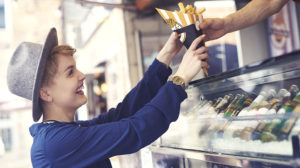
(213, 28)
(193, 60)
(170, 49)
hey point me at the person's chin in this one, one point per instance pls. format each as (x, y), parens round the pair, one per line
(84, 100)
(81, 104)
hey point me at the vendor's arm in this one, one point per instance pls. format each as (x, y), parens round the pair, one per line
(254, 12)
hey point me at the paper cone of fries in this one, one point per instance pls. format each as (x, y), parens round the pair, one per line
(186, 24)
(189, 23)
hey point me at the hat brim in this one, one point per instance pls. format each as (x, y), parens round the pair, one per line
(50, 43)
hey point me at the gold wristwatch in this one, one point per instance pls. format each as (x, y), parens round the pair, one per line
(178, 81)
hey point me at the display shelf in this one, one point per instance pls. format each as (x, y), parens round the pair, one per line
(249, 112)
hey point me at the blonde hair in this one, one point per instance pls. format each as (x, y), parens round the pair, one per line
(51, 63)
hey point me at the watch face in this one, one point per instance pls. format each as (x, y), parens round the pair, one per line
(179, 81)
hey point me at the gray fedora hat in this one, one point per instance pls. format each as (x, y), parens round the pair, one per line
(26, 68)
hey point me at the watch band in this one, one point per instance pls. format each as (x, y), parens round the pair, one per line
(178, 81)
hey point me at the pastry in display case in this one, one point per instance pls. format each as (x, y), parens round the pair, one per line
(250, 113)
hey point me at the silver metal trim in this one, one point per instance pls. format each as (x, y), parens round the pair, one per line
(219, 158)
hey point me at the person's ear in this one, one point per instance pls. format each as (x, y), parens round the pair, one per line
(44, 94)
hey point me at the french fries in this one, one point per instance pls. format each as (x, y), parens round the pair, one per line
(189, 9)
(181, 7)
(184, 17)
(201, 10)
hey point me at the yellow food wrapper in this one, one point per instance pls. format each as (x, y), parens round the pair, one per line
(178, 20)
(187, 25)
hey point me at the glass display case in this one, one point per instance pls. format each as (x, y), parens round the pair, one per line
(245, 117)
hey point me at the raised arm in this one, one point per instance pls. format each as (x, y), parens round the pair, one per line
(83, 146)
(254, 12)
(155, 77)
(170, 49)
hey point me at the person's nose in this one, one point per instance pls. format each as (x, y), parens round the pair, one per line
(81, 76)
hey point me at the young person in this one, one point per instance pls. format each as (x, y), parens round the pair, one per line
(48, 76)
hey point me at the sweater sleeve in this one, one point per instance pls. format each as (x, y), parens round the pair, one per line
(146, 89)
(82, 146)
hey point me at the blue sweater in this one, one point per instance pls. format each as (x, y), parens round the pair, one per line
(142, 117)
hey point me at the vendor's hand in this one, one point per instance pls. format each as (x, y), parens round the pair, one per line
(170, 49)
(213, 28)
(193, 60)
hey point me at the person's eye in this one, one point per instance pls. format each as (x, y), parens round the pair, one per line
(70, 72)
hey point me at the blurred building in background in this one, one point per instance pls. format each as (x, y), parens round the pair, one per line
(20, 20)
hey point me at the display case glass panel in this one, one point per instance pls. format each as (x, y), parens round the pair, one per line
(251, 112)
